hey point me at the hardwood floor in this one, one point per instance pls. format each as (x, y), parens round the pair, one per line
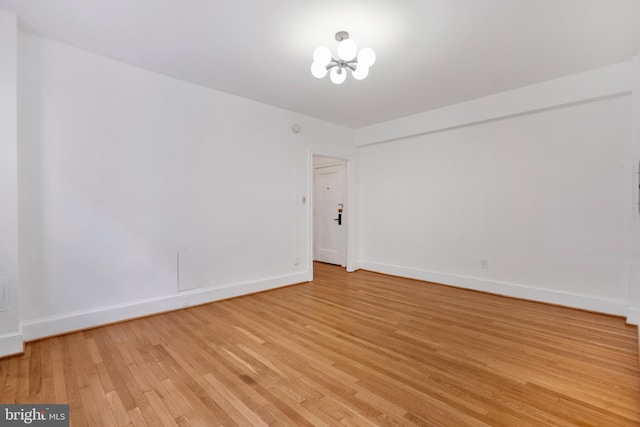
(347, 349)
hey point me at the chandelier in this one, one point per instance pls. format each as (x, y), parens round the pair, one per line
(348, 59)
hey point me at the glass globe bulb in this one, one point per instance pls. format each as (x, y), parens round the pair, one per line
(337, 75)
(322, 55)
(361, 72)
(366, 57)
(318, 70)
(347, 49)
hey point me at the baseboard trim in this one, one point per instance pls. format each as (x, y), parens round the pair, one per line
(11, 344)
(355, 266)
(55, 325)
(633, 316)
(550, 296)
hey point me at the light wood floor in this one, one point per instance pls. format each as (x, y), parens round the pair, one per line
(348, 349)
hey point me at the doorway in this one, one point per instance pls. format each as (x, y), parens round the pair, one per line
(330, 210)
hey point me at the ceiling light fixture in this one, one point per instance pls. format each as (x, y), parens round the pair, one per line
(348, 58)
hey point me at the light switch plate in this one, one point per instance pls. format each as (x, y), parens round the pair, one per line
(4, 293)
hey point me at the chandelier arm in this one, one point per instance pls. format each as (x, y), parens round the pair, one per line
(351, 66)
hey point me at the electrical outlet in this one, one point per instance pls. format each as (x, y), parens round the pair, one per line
(484, 263)
(186, 301)
(296, 260)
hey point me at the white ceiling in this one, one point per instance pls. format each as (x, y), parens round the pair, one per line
(430, 53)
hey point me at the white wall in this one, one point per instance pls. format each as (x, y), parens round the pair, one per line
(542, 194)
(123, 168)
(10, 339)
(612, 80)
(634, 273)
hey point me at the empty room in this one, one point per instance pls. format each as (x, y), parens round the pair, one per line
(319, 213)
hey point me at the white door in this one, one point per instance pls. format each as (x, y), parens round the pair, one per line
(329, 197)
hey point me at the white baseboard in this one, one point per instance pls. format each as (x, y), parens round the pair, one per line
(633, 316)
(68, 322)
(551, 296)
(353, 266)
(11, 344)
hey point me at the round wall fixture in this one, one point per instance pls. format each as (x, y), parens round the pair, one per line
(296, 128)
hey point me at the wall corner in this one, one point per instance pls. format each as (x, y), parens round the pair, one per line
(10, 338)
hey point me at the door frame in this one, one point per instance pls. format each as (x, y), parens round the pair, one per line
(349, 221)
(332, 167)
